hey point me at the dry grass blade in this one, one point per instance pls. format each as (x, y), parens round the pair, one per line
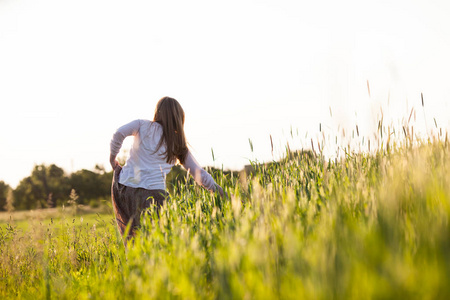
(410, 115)
(271, 144)
(312, 145)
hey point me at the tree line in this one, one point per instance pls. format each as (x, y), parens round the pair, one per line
(49, 186)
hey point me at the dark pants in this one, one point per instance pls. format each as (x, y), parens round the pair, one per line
(128, 203)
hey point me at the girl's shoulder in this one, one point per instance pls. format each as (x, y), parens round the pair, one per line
(150, 135)
(150, 126)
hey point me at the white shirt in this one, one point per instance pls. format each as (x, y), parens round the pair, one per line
(146, 168)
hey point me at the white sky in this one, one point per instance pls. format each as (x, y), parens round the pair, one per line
(71, 72)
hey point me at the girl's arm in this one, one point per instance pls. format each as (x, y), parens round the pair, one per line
(131, 128)
(200, 175)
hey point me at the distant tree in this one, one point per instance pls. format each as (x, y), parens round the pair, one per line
(24, 195)
(91, 185)
(47, 186)
(4, 188)
(9, 207)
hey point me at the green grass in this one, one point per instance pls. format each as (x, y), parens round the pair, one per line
(364, 227)
(27, 220)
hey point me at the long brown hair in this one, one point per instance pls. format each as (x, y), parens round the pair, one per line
(170, 115)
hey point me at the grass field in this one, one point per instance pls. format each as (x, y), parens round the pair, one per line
(26, 220)
(363, 227)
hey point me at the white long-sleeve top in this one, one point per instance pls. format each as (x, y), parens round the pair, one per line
(147, 168)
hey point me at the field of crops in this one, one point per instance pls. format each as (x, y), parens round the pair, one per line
(364, 226)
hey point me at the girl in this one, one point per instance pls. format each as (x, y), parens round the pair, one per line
(158, 145)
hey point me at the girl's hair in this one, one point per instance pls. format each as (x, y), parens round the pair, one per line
(170, 115)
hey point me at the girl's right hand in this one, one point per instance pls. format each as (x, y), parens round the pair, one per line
(114, 163)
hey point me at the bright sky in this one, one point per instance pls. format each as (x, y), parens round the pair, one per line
(71, 72)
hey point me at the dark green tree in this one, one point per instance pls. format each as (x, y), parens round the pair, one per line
(91, 185)
(4, 188)
(48, 186)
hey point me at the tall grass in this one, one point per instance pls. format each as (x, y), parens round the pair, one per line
(363, 226)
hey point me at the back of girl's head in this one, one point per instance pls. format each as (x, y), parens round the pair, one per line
(170, 115)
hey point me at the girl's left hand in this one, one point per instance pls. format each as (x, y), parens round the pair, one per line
(220, 191)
